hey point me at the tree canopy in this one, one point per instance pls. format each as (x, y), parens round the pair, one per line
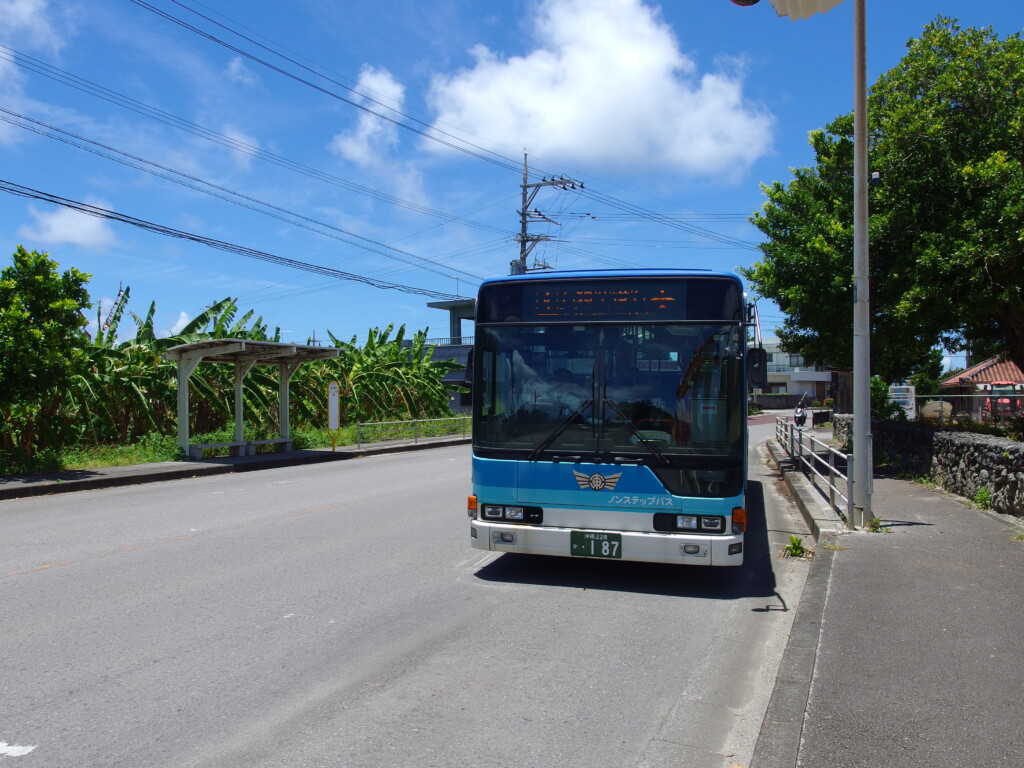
(41, 326)
(947, 216)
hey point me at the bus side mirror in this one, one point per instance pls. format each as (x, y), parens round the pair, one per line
(757, 367)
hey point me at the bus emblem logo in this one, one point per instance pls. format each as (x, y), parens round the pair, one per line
(597, 482)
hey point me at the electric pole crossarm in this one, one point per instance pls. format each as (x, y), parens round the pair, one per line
(526, 241)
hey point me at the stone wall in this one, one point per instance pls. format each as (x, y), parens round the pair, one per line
(963, 463)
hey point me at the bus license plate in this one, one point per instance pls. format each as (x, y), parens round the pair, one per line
(594, 544)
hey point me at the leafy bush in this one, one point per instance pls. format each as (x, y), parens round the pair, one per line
(795, 548)
(881, 407)
(983, 498)
(16, 462)
(150, 448)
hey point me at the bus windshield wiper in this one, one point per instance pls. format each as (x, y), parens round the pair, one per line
(546, 443)
(640, 439)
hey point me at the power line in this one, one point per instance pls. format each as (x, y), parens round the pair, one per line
(667, 220)
(85, 86)
(431, 133)
(228, 195)
(104, 213)
(625, 217)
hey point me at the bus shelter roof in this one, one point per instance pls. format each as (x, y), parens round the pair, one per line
(248, 351)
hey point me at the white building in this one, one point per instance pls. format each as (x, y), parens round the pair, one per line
(788, 374)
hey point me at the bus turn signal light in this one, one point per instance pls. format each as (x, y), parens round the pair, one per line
(739, 520)
(471, 506)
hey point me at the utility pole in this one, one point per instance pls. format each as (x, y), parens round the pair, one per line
(863, 462)
(525, 239)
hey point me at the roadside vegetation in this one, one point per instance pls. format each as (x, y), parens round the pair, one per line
(946, 214)
(74, 400)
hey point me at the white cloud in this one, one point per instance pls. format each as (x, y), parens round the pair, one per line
(368, 143)
(607, 84)
(174, 330)
(25, 25)
(26, 22)
(64, 225)
(241, 157)
(237, 72)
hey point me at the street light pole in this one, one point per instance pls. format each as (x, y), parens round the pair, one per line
(862, 453)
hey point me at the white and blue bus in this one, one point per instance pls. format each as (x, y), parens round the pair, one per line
(610, 415)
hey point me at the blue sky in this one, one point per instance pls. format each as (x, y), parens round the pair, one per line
(261, 127)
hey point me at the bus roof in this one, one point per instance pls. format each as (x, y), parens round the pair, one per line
(611, 273)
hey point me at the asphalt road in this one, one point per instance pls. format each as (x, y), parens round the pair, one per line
(335, 615)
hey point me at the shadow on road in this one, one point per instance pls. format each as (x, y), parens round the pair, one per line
(58, 476)
(752, 579)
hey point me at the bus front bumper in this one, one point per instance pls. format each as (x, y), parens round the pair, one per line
(636, 546)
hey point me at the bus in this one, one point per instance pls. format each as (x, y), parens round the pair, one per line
(610, 415)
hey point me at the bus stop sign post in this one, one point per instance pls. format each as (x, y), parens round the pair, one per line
(333, 412)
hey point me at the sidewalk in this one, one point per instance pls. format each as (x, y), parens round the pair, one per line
(21, 486)
(907, 646)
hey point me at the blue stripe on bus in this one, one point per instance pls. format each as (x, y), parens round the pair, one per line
(545, 483)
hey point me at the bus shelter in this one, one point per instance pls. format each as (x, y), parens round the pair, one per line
(243, 354)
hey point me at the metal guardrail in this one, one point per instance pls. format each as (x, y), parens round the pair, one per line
(818, 458)
(377, 431)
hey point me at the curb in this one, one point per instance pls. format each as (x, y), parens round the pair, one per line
(25, 486)
(779, 740)
(820, 518)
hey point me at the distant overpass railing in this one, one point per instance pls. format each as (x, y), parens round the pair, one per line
(450, 341)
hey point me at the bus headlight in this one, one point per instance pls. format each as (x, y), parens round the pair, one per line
(716, 524)
(686, 522)
(512, 513)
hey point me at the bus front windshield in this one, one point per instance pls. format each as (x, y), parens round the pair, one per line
(665, 395)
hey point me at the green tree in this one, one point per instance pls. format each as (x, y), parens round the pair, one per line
(947, 219)
(927, 376)
(42, 342)
(388, 378)
(41, 325)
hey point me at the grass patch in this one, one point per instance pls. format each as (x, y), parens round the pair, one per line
(875, 526)
(982, 498)
(156, 448)
(151, 448)
(408, 430)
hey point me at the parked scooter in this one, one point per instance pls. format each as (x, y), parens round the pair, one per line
(800, 416)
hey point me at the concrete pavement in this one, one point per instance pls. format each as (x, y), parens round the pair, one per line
(906, 648)
(907, 645)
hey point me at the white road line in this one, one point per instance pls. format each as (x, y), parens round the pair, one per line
(13, 750)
